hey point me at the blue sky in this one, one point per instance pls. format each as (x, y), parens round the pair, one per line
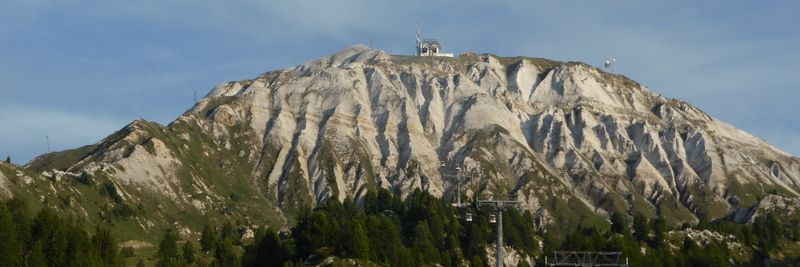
(78, 70)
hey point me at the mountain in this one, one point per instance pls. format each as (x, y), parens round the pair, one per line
(573, 143)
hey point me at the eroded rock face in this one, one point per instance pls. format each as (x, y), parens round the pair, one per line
(781, 207)
(541, 131)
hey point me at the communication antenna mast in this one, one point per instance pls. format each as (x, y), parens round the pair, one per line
(47, 141)
(419, 31)
(195, 96)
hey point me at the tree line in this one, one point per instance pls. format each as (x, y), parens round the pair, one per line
(424, 230)
(385, 230)
(48, 239)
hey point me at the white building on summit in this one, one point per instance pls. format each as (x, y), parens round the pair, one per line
(430, 47)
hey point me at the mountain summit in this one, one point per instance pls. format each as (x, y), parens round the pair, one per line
(573, 143)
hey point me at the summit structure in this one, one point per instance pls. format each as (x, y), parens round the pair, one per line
(429, 47)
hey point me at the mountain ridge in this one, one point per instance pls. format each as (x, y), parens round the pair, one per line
(572, 142)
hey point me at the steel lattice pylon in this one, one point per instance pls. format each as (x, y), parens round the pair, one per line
(586, 258)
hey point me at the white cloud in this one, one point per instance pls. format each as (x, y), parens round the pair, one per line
(721, 63)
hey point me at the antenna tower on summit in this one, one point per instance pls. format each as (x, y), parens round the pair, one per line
(418, 33)
(429, 47)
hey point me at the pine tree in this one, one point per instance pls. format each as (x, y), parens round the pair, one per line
(225, 254)
(316, 233)
(796, 234)
(209, 238)
(618, 224)
(227, 231)
(269, 249)
(168, 254)
(8, 159)
(384, 239)
(36, 256)
(423, 244)
(104, 245)
(475, 241)
(80, 249)
(47, 229)
(659, 232)
(407, 258)
(359, 245)
(10, 248)
(640, 227)
(189, 254)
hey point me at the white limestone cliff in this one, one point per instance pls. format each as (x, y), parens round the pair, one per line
(527, 128)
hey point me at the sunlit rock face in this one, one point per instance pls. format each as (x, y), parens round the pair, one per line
(557, 136)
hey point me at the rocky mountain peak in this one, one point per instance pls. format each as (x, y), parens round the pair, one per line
(563, 137)
(356, 54)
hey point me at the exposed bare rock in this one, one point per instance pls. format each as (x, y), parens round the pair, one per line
(5, 192)
(566, 138)
(784, 207)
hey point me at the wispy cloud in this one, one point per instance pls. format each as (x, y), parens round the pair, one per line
(145, 58)
(25, 129)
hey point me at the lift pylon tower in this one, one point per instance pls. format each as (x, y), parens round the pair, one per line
(499, 206)
(458, 176)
